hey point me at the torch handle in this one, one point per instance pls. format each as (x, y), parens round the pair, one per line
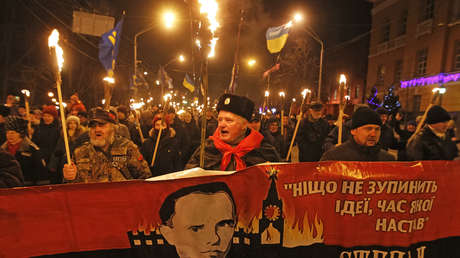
(293, 136)
(29, 125)
(63, 119)
(140, 131)
(156, 144)
(340, 125)
(296, 129)
(282, 124)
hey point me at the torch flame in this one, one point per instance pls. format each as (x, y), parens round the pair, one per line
(53, 43)
(212, 52)
(343, 79)
(26, 92)
(108, 79)
(210, 7)
(304, 92)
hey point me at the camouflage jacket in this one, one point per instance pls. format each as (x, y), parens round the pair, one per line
(123, 161)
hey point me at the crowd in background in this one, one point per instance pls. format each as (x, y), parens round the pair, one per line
(35, 142)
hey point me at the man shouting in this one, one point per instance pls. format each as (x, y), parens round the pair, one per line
(234, 146)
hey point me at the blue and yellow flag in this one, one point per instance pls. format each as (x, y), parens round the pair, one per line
(108, 47)
(277, 37)
(188, 83)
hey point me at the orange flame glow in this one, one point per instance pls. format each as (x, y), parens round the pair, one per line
(53, 42)
(210, 7)
(298, 235)
(343, 79)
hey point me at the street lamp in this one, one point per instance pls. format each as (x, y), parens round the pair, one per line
(267, 93)
(298, 17)
(180, 58)
(252, 62)
(169, 19)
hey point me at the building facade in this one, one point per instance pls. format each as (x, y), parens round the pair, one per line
(415, 47)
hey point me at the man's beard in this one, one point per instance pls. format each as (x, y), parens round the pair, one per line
(103, 142)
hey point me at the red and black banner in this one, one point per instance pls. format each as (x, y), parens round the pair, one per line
(327, 209)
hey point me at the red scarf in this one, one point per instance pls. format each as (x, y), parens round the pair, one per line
(13, 148)
(250, 142)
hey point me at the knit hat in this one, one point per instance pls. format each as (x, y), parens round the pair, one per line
(437, 114)
(237, 105)
(4, 111)
(51, 110)
(74, 119)
(16, 123)
(364, 116)
(100, 115)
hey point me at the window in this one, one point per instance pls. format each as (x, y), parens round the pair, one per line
(357, 91)
(416, 103)
(386, 30)
(457, 55)
(398, 71)
(427, 10)
(380, 74)
(421, 62)
(403, 23)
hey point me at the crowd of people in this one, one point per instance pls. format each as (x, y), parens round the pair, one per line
(121, 144)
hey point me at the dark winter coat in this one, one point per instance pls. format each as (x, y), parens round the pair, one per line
(59, 157)
(167, 159)
(10, 171)
(404, 136)
(332, 138)
(2, 132)
(46, 138)
(133, 132)
(213, 157)
(193, 135)
(311, 138)
(387, 138)
(275, 139)
(351, 151)
(32, 164)
(427, 146)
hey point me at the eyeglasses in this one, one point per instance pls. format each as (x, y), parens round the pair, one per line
(93, 124)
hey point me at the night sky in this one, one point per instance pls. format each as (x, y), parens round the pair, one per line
(334, 20)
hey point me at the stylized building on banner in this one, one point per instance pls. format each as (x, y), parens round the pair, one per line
(415, 46)
(267, 230)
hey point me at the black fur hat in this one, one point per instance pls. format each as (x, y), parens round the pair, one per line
(237, 105)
